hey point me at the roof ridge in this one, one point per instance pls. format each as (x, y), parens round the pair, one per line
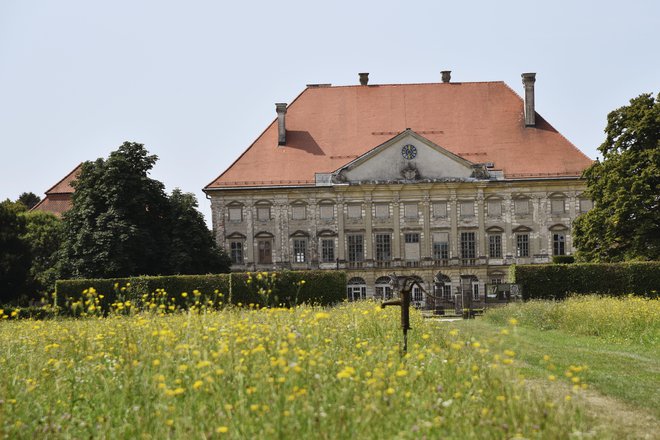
(407, 84)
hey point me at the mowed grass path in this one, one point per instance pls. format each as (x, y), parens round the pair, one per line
(628, 372)
(617, 341)
(299, 373)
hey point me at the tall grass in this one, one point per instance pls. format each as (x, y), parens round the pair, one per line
(271, 373)
(625, 319)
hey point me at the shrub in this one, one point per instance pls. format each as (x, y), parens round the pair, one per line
(556, 281)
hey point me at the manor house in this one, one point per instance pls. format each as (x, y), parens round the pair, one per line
(450, 182)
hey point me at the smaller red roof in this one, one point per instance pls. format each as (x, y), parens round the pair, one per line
(58, 197)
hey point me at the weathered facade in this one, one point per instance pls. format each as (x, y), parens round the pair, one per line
(448, 182)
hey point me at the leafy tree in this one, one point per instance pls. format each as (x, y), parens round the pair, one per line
(117, 225)
(14, 252)
(29, 199)
(192, 249)
(44, 233)
(122, 223)
(625, 187)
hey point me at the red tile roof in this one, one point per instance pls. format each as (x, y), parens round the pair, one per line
(328, 127)
(58, 197)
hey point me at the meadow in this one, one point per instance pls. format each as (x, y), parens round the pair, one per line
(304, 372)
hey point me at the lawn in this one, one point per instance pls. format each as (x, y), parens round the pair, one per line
(274, 373)
(329, 373)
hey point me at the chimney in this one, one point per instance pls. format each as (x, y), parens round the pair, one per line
(446, 76)
(280, 108)
(364, 78)
(528, 80)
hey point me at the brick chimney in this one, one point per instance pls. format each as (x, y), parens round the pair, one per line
(528, 80)
(280, 108)
(364, 78)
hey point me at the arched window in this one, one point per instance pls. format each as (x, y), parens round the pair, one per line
(383, 288)
(442, 287)
(356, 289)
(418, 296)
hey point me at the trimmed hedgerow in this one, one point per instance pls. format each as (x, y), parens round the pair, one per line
(286, 288)
(563, 259)
(556, 281)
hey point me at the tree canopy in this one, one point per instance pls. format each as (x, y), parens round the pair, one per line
(29, 199)
(14, 252)
(44, 236)
(625, 187)
(122, 222)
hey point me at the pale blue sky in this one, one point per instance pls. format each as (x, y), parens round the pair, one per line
(196, 81)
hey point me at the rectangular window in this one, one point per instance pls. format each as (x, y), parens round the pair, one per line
(468, 247)
(265, 251)
(558, 244)
(236, 252)
(298, 212)
(557, 206)
(467, 209)
(494, 208)
(327, 212)
(521, 206)
(522, 245)
(235, 214)
(495, 246)
(410, 210)
(354, 211)
(417, 295)
(263, 213)
(475, 290)
(585, 205)
(440, 209)
(355, 248)
(441, 246)
(382, 210)
(411, 248)
(299, 250)
(328, 250)
(383, 247)
(411, 237)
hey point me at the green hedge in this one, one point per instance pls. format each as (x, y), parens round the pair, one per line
(563, 259)
(556, 281)
(264, 289)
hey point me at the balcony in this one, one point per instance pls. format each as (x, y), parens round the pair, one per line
(442, 262)
(383, 264)
(354, 264)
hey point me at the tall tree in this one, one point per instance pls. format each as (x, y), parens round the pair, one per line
(44, 235)
(29, 199)
(117, 225)
(192, 249)
(625, 187)
(14, 252)
(122, 223)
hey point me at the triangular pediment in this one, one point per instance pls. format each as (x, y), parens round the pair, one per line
(409, 157)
